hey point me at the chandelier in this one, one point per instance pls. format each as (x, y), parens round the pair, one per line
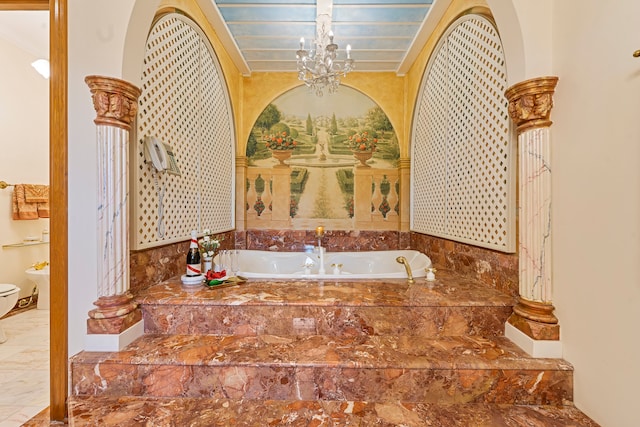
(319, 67)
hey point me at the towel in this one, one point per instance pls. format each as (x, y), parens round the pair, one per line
(34, 193)
(30, 201)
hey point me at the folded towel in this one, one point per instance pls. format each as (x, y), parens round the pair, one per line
(35, 193)
(38, 207)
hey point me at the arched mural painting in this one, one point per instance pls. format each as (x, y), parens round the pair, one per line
(317, 155)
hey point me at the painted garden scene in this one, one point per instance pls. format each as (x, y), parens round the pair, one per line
(332, 159)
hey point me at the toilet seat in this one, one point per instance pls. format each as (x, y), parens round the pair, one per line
(7, 289)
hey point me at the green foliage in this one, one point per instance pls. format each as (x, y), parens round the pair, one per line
(294, 133)
(309, 125)
(299, 178)
(252, 145)
(333, 128)
(345, 180)
(385, 186)
(259, 184)
(378, 120)
(278, 128)
(269, 117)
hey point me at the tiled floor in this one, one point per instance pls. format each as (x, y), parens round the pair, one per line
(24, 367)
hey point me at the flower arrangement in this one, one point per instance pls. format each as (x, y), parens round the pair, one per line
(362, 142)
(208, 244)
(280, 141)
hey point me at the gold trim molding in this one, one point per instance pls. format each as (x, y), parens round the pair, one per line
(115, 101)
(530, 102)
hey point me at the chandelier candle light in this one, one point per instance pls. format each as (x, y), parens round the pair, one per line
(319, 66)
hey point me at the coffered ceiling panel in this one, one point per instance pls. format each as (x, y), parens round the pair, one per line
(267, 33)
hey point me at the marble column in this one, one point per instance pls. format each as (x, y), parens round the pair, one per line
(116, 104)
(530, 104)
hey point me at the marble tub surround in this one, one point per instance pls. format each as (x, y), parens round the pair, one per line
(453, 305)
(497, 270)
(373, 368)
(333, 240)
(308, 352)
(151, 266)
(110, 411)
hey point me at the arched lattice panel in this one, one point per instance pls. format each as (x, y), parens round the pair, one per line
(463, 149)
(185, 104)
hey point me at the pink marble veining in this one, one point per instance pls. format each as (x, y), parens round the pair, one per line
(452, 305)
(135, 411)
(333, 240)
(497, 270)
(151, 266)
(375, 368)
(324, 353)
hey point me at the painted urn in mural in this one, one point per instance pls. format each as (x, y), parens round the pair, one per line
(281, 145)
(281, 156)
(362, 157)
(362, 147)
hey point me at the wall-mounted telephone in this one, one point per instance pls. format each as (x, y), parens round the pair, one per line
(162, 159)
(160, 155)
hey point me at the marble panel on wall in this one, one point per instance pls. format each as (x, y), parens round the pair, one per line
(497, 270)
(333, 240)
(151, 266)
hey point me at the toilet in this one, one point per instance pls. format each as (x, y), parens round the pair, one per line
(8, 298)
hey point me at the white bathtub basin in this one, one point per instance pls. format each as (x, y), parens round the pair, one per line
(355, 265)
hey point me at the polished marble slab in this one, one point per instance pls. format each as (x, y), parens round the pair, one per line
(323, 353)
(372, 368)
(135, 411)
(452, 305)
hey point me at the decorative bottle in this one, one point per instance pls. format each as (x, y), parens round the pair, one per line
(193, 256)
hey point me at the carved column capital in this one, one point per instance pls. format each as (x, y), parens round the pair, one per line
(115, 101)
(530, 102)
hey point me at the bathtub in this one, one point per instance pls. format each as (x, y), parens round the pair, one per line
(355, 265)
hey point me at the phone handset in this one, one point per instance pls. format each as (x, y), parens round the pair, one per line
(162, 159)
(160, 155)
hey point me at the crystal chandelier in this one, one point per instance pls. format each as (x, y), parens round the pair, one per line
(318, 68)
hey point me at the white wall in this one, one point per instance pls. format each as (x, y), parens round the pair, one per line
(97, 32)
(596, 202)
(24, 157)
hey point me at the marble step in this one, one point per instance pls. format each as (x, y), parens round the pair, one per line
(359, 368)
(211, 412)
(451, 306)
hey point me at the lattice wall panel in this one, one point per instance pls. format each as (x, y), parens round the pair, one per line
(184, 103)
(462, 150)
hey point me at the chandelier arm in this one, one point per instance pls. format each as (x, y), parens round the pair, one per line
(319, 67)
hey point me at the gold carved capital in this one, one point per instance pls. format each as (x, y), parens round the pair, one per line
(530, 102)
(115, 101)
